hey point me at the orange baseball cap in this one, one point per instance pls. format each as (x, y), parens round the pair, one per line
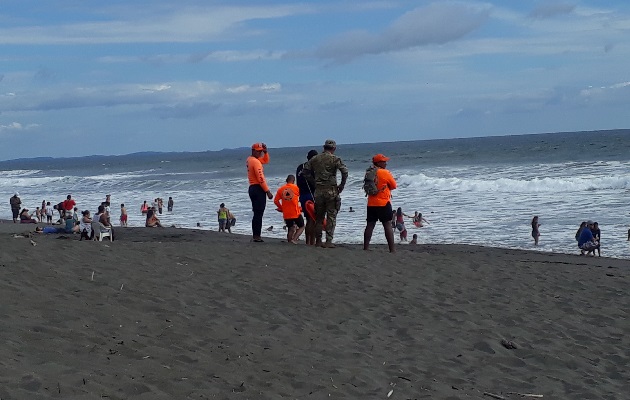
(258, 147)
(380, 158)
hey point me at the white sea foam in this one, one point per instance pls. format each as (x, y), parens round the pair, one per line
(510, 185)
(471, 204)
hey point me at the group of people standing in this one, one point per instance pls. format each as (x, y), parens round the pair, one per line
(315, 192)
(316, 182)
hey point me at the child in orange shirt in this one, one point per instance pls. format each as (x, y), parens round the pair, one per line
(287, 200)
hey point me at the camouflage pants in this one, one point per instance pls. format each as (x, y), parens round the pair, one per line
(327, 204)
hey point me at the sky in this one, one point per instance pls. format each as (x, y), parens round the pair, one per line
(80, 77)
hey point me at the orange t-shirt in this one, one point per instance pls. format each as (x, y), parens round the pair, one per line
(288, 200)
(385, 183)
(255, 173)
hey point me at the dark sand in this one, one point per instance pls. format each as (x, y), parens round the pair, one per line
(183, 314)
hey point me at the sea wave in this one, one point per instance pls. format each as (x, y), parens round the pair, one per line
(511, 185)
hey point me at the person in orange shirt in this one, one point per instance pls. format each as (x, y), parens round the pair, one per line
(379, 207)
(258, 187)
(288, 202)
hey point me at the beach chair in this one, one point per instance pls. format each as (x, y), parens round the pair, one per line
(100, 231)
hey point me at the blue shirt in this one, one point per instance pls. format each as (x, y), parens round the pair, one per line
(585, 236)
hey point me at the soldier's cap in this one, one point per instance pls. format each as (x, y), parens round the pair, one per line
(331, 144)
(258, 147)
(379, 158)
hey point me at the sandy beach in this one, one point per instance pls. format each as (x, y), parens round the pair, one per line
(185, 314)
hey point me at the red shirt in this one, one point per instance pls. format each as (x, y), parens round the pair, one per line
(68, 205)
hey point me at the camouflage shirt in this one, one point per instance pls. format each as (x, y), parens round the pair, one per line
(322, 169)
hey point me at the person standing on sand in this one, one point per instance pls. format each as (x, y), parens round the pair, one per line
(306, 194)
(50, 211)
(222, 215)
(321, 171)
(597, 236)
(258, 188)
(123, 215)
(379, 206)
(68, 205)
(231, 221)
(400, 224)
(287, 200)
(144, 208)
(535, 231)
(16, 204)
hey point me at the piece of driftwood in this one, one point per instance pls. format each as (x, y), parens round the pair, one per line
(494, 396)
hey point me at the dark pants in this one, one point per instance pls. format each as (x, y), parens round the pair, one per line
(259, 202)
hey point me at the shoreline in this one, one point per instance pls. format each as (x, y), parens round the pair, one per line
(22, 228)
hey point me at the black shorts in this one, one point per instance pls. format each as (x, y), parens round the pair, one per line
(299, 221)
(379, 213)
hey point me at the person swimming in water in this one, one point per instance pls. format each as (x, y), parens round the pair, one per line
(417, 219)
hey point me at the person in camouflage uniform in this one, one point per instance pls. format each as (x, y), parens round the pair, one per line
(321, 171)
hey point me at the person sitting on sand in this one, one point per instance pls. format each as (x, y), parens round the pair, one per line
(414, 239)
(587, 243)
(85, 226)
(69, 224)
(152, 219)
(26, 218)
(579, 231)
(101, 216)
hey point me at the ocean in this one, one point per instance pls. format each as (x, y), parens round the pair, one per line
(478, 191)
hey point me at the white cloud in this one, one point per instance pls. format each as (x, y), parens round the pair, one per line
(437, 23)
(193, 24)
(16, 126)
